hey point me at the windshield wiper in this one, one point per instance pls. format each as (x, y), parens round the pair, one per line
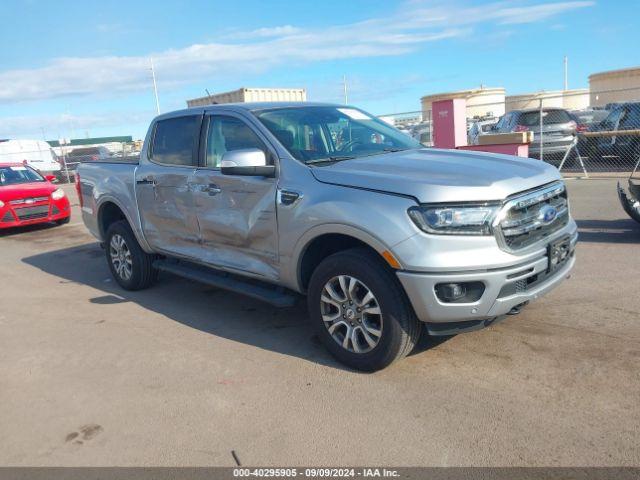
(335, 158)
(391, 149)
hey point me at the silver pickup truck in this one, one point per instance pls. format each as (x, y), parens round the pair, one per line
(383, 236)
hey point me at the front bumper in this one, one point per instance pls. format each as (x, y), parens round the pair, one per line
(505, 289)
(44, 212)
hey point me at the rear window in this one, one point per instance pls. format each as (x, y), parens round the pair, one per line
(79, 152)
(175, 139)
(549, 117)
(592, 116)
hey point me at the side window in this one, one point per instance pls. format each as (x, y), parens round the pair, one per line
(175, 139)
(632, 118)
(503, 124)
(609, 123)
(227, 134)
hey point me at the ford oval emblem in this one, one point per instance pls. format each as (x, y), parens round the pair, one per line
(547, 214)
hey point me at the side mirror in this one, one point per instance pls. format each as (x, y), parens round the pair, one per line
(50, 178)
(248, 162)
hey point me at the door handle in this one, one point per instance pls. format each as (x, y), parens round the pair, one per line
(147, 181)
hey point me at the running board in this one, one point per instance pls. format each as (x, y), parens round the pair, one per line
(276, 296)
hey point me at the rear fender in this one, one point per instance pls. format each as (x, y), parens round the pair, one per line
(134, 223)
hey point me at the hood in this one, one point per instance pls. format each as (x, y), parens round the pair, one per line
(433, 175)
(26, 190)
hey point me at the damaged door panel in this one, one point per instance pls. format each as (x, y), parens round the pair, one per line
(163, 191)
(236, 214)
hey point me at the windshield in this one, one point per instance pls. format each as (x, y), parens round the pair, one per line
(316, 134)
(18, 174)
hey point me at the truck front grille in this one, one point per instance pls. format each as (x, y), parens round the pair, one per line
(31, 213)
(532, 216)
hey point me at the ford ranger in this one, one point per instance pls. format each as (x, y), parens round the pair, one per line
(383, 236)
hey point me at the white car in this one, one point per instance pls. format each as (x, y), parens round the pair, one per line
(479, 128)
(35, 153)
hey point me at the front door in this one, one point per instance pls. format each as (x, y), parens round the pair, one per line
(236, 214)
(163, 187)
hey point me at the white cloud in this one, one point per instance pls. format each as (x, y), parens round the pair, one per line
(416, 24)
(265, 32)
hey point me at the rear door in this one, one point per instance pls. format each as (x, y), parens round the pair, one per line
(163, 186)
(625, 145)
(236, 214)
(605, 144)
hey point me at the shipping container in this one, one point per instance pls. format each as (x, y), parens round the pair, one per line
(243, 95)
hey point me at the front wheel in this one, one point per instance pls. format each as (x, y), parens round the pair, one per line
(131, 266)
(360, 310)
(63, 221)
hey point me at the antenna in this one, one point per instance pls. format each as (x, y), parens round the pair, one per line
(155, 86)
(566, 73)
(344, 85)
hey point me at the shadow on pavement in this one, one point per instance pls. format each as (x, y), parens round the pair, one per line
(609, 231)
(198, 306)
(9, 232)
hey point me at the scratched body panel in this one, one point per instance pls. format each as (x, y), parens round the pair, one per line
(238, 226)
(167, 208)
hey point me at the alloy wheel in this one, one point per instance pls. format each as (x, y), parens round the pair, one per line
(351, 313)
(121, 257)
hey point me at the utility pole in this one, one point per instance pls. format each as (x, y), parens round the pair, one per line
(155, 86)
(344, 85)
(566, 73)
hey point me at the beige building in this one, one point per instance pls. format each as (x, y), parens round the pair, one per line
(481, 101)
(576, 99)
(603, 85)
(243, 95)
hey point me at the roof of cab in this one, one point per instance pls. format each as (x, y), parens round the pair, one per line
(248, 106)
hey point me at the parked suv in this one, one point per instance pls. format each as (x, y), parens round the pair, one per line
(623, 150)
(86, 154)
(383, 236)
(557, 134)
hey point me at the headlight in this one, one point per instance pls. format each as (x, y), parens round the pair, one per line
(57, 194)
(455, 219)
(1, 204)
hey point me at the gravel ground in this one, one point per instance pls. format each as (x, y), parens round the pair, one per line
(182, 374)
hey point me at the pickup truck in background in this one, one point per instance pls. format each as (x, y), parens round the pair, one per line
(383, 236)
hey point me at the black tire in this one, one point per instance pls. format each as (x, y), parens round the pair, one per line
(400, 327)
(142, 274)
(63, 221)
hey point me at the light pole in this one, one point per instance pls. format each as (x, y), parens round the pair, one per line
(155, 86)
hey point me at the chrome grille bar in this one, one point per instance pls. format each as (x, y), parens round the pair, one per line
(522, 222)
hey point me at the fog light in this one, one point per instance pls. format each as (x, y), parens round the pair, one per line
(450, 292)
(466, 292)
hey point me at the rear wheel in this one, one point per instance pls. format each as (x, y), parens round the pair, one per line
(131, 266)
(360, 310)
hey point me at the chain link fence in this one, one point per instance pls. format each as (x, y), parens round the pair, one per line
(70, 156)
(62, 161)
(583, 133)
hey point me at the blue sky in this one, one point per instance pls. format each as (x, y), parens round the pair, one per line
(72, 68)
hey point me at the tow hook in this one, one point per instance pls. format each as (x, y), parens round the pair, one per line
(516, 310)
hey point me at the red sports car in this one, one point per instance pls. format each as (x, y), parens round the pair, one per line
(26, 197)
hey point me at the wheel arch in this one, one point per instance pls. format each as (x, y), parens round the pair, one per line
(109, 211)
(322, 241)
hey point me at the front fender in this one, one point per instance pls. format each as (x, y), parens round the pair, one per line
(329, 228)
